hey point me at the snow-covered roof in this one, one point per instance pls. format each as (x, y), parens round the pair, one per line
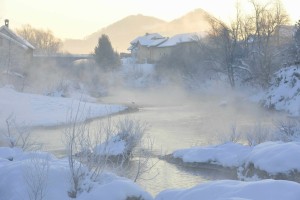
(180, 38)
(6, 33)
(13, 41)
(156, 40)
(148, 39)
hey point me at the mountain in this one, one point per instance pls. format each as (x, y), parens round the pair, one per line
(195, 21)
(120, 34)
(127, 29)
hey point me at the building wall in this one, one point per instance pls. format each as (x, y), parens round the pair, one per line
(142, 54)
(154, 54)
(159, 52)
(13, 57)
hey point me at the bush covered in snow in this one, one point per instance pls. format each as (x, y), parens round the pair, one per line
(122, 141)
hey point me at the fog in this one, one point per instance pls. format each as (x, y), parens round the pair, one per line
(211, 107)
(178, 115)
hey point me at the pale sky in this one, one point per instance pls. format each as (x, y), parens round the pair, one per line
(79, 18)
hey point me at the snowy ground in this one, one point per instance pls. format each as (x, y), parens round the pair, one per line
(32, 175)
(271, 157)
(236, 190)
(17, 167)
(39, 110)
(284, 94)
(138, 75)
(23, 174)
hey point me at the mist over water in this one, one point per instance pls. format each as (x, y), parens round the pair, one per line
(178, 119)
(177, 116)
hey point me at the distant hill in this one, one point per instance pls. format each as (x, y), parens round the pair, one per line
(127, 29)
(195, 21)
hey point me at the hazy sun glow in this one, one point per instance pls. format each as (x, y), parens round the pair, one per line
(77, 18)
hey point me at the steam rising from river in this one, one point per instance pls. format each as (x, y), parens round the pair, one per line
(200, 116)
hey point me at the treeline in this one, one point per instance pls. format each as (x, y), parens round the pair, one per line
(44, 41)
(248, 51)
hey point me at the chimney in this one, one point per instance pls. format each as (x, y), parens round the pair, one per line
(6, 21)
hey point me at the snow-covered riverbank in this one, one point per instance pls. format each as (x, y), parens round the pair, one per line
(38, 110)
(284, 94)
(273, 158)
(40, 175)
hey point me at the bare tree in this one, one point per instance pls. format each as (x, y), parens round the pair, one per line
(258, 134)
(144, 160)
(36, 176)
(233, 136)
(90, 152)
(220, 43)
(44, 41)
(249, 48)
(288, 130)
(73, 140)
(264, 55)
(18, 135)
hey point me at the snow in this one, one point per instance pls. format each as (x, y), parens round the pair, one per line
(227, 155)
(15, 38)
(180, 38)
(39, 110)
(17, 175)
(9, 153)
(111, 148)
(284, 94)
(154, 39)
(275, 157)
(236, 190)
(148, 39)
(14, 180)
(14, 174)
(138, 75)
(118, 189)
(272, 157)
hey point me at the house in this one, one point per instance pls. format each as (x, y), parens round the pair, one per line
(15, 52)
(142, 47)
(150, 48)
(284, 34)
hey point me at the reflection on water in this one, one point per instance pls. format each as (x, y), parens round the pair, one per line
(178, 125)
(167, 175)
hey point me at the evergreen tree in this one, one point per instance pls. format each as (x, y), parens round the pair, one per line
(104, 54)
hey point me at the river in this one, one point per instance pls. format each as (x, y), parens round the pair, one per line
(175, 122)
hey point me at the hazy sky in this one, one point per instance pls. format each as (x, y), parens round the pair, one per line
(79, 18)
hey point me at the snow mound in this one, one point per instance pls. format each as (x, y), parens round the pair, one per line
(227, 155)
(9, 153)
(275, 157)
(117, 189)
(236, 190)
(271, 157)
(113, 147)
(284, 94)
(35, 170)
